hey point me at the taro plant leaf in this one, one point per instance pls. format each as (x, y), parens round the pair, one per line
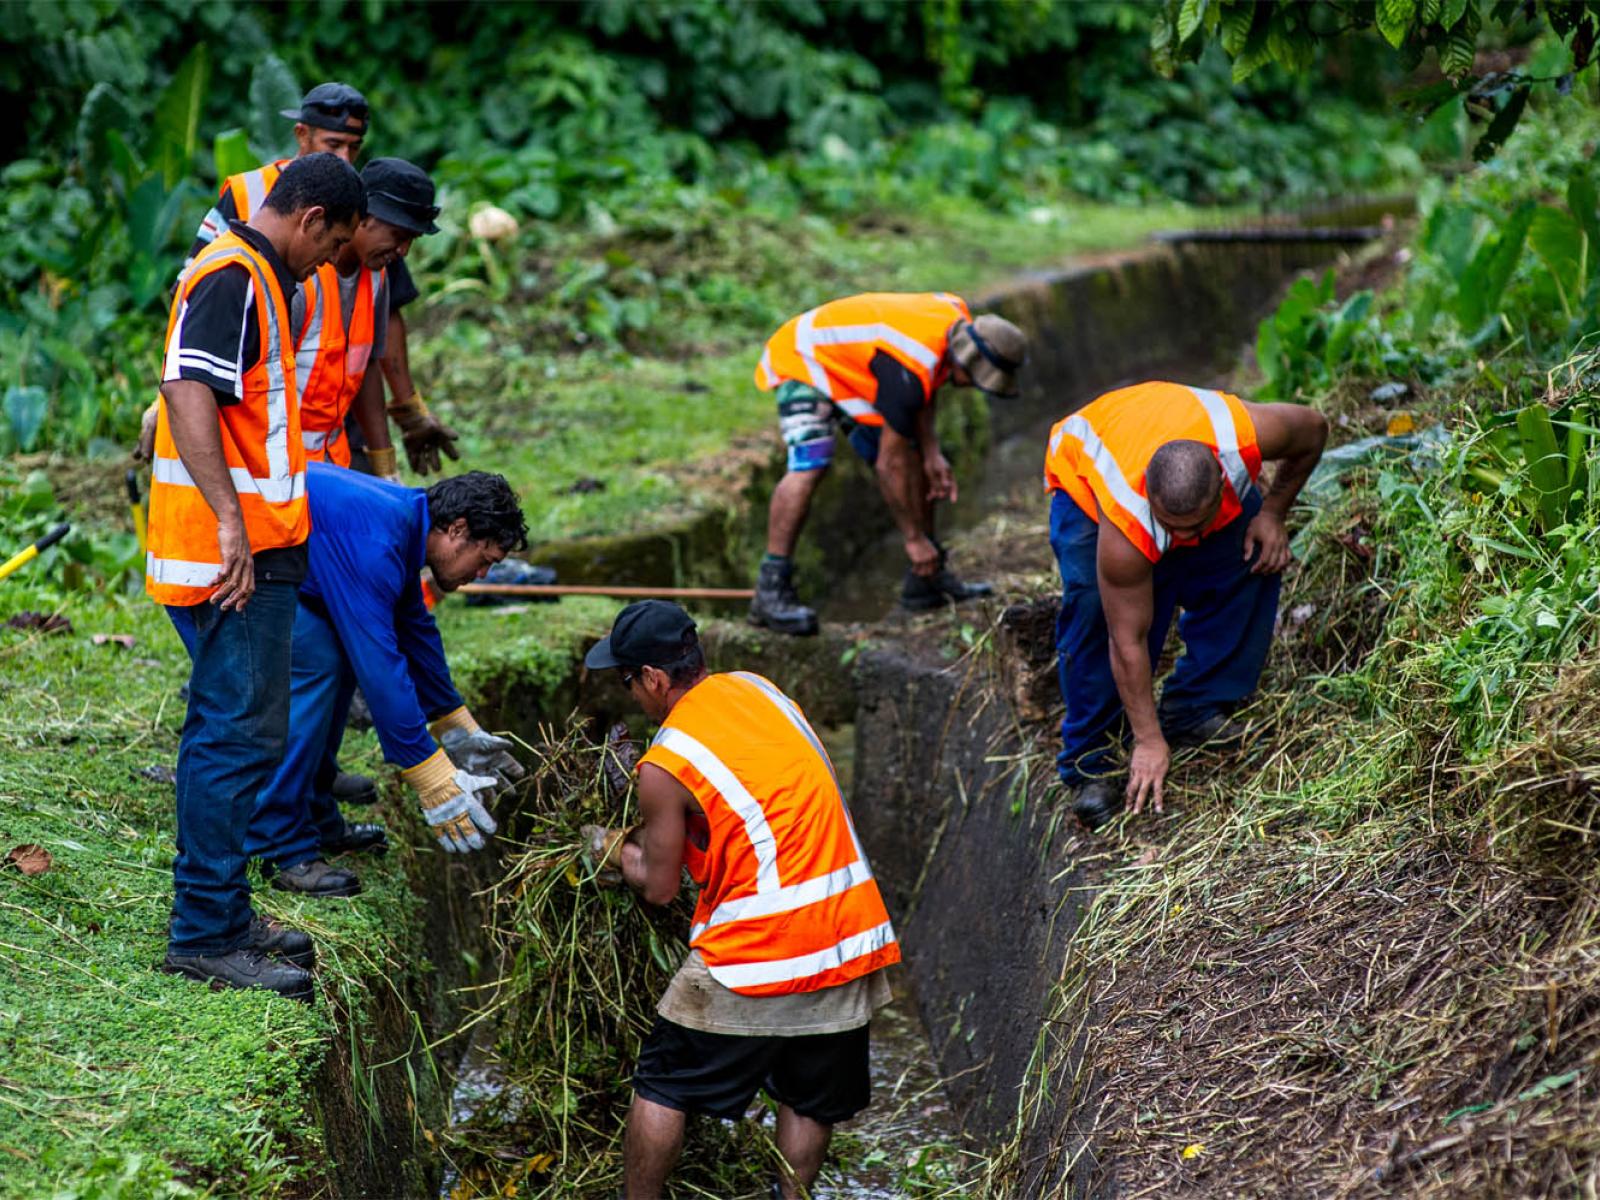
(1485, 279)
(1560, 242)
(25, 416)
(1346, 322)
(1546, 463)
(272, 89)
(176, 128)
(232, 153)
(104, 112)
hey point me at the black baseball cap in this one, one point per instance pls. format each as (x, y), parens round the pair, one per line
(331, 106)
(648, 633)
(400, 193)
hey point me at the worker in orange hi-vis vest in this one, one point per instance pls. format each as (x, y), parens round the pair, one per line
(227, 530)
(790, 936)
(334, 118)
(1156, 505)
(873, 365)
(340, 314)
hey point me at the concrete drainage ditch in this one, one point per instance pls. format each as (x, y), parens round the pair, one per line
(985, 889)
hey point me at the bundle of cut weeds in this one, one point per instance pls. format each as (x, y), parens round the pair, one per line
(583, 964)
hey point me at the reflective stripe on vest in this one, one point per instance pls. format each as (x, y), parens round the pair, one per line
(250, 188)
(831, 347)
(331, 359)
(788, 902)
(261, 443)
(1081, 462)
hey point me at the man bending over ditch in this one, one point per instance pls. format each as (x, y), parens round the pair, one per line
(790, 935)
(1155, 505)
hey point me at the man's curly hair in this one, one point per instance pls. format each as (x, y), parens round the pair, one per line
(491, 508)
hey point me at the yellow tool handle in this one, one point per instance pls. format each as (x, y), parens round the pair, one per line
(33, 551)
(137, 509)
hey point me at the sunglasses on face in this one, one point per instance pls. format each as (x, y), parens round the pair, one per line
(627, 677)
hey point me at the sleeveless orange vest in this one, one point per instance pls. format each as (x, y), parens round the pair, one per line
(331, 361)
(787, 900)
(260, 441)
(1101, 451)
(831, 346)
(250, 188)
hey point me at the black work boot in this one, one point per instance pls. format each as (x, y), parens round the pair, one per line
(777, 605)
(316, 878)
(944, 586)
(353, 789)
(1217, 732)
(245, 967)
(274, 938)
(356, 838)
(1095, 803)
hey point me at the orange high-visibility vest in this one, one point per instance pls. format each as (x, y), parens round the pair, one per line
(831, 346)
(787, 900)
(250, 188)
(331, 361)
(260, 441)
(1101, 451)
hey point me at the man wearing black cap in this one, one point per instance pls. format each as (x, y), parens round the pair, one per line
(334, 117)
(790, 937)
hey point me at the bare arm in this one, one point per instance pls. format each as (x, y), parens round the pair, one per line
(368, 409)
(941, 480)
(899, 471)
(1127, 595)
(1292, 436)
(396, 360)
(192, 416)
(652, 858)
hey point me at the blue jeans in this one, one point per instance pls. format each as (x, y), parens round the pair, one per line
(296, 810)
(1226, 627)
(233, 736)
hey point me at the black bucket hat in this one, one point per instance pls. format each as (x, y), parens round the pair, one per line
(335, 106)
(401, 194)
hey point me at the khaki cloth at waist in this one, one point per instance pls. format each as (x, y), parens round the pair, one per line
(696, 1001)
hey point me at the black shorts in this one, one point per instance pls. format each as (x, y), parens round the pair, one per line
(822, 1076)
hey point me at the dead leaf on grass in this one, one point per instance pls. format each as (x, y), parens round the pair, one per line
(44, 622)
(30, 859)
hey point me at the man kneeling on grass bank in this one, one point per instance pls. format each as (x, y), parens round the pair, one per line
(790, 936)
(362, 620)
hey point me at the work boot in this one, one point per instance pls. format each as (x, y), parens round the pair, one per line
(246, 967)
(920, 593)
(274, 938)
(1095, 803)
(1217, 732)
(316, 878)
(356, 838)
(353, 789)
(777, 605)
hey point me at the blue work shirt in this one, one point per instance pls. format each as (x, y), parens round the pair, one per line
(367, 549)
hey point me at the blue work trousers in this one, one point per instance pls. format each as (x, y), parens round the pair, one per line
(233, 736)
(296, 810)
(1226, 627)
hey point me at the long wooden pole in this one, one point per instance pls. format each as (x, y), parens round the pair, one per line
(603, 589)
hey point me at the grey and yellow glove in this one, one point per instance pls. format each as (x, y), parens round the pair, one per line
(450, 802)
(473, 749)
(385, 463)
(423, 434)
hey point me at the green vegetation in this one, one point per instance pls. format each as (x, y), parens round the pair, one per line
(1361, 949)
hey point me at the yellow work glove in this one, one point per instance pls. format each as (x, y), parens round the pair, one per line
(384, 462)
(450, 802)
(472, 749)
(423, 433)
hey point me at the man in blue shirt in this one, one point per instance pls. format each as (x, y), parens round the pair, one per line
(363, 621)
